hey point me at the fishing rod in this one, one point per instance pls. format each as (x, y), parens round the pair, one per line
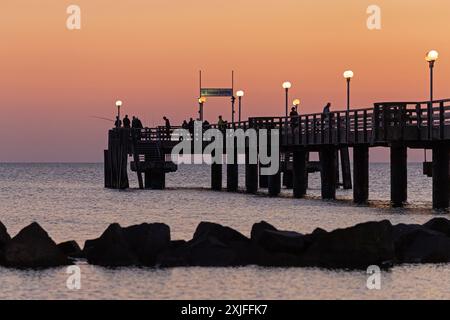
(101, 118)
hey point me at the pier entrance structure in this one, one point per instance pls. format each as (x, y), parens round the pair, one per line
(394, 125)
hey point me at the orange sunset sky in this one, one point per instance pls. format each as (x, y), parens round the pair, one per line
(148, 53)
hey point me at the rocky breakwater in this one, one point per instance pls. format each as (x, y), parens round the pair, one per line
(213, 245)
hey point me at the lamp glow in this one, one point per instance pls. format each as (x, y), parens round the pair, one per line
(240, 93)
(296, 102)
(118, 103)
(432, 56)
(348, 74)
(202, 100)
(287, 85)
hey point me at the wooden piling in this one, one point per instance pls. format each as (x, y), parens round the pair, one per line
(216, 176)
(158, 179)
(251, 173)
(299, 173)
(118, 147)
(233, 174)
(263, 179)
(361, 174)
(441, 180)
(399, 175)
(275, 184)
(107, 168)
(346, 169)
(328, 172)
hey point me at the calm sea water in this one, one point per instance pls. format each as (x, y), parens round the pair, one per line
(69, 201)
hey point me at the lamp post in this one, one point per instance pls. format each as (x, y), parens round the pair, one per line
(431, 57)
(233, 100)
(240, 94)
(296, 103)
(118, 105)
(286, 86)
(201, 102)
(348, 75)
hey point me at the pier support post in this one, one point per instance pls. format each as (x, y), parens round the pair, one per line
(346, 170)
(299, 173)
(328, 172)
(233, 174)
(263, 180)
(107, 166)
(441, 180)
(118, 150)
(157, 179)
(216, 176)
(275, 184)
(399, 178)
(251, 172)
(361, 174)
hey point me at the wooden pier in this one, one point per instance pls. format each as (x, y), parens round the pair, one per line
(394, 125)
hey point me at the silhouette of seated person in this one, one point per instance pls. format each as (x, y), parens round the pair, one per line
(167, 125)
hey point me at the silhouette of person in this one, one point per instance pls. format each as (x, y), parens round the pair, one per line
(139, 123)
(185, 125)
(134, 123)
(126, 122)
(221, 124)
(118, 123)
(191, 126)
(326, 109)
(293, 114)
(167, 125)
(206, 125)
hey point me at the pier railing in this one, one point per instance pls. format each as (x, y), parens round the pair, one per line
(385, 122)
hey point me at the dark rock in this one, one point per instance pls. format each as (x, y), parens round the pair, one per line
(173, 256)
(4, 239)
(146, 241)
(319, 231)
(356, 247)
(221, 233)
(70, 249)
(4, 236)
(218, 246)
(111, 249)
(33, 248)
(276, 241)
(258, 229)
(422, 245)
(440, 225)
(134, 245)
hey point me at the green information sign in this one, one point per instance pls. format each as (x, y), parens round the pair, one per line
(216, 92)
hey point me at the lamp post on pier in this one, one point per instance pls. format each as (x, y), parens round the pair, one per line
(201, 102)
(296, 103)
(348, 75)
(240, 94)
(286, 86)
(431, 57)
(118, 105)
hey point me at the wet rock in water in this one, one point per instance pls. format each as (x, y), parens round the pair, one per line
(276, 241)
(258, 229)
(357, 247)
(111, 249)
(147, 241)
(218, 246)
(422, 245)
(173, 256)
(4, 239)
(33, 248)
(134, 245)
(440, 225)
(71, 249)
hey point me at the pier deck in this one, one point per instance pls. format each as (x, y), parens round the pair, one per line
(397, 125)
